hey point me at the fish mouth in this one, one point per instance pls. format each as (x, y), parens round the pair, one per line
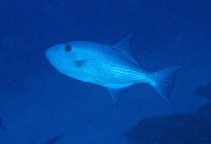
(50, 56)
(47, 53)
(53, 58)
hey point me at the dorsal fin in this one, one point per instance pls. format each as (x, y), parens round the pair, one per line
(124, 44)
(124, 47)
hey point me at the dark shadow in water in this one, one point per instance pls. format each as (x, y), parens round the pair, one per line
(1, 124)
(192, 128)
(54, 139)
(205, 91)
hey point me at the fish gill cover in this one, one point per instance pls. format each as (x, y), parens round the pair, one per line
(38, 105)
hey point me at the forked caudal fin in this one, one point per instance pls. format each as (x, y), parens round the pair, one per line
(164, 81)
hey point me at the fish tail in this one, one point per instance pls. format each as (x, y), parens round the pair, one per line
(164, 81)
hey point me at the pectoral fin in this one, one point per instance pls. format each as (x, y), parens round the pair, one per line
(79, 63)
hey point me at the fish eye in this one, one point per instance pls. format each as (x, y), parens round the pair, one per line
(67, 48)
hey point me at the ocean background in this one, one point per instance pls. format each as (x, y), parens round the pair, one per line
(39, 105)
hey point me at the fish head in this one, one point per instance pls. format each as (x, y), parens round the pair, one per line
(60, 55)
(69, 58)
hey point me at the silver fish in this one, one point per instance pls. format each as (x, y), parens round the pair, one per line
(108, 66)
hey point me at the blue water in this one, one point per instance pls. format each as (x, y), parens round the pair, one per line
(39, 105)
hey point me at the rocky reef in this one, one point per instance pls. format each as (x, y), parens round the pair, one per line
(193, 128)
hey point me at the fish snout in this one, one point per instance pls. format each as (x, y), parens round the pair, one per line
(50, 54)
(47, 53)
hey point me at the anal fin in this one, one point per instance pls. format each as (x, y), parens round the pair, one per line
(115, 94)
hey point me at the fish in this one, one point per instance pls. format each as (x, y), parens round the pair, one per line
(110, 66)
(205, 91)
(53, 140)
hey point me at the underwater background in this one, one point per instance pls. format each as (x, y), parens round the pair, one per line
(39, 105)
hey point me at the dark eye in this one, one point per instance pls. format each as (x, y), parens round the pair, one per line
(67, 48)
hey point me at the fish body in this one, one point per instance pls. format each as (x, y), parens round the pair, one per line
(108, 66)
